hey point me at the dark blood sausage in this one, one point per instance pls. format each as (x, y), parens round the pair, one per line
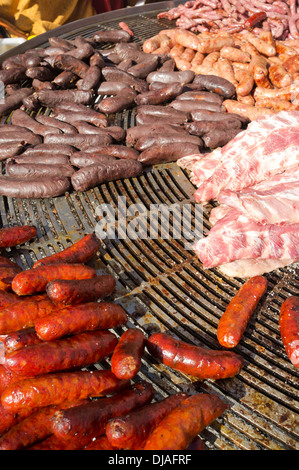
(126, 357)
(71, 117)
(201, 96)
(116, 75)
(81, 159)
(12, 75)
(91, 78)
(116, 132)
(134, 133)
(71, 64)
(169, 152)
(205, 115)
(22, 314)
(62, 354)
(52, 122)
(113, 36)
(178, 429)
(65, 79)
(119, 151)
(39, 85)
(78, 140)
(79, 252)
(150, 120)
(167, 93)
(201, 128)
(56, 97)
(82, 51)
(21, 338)
(24, 137)
(115, 104)
(32, 429)
(219, 138)
(14, 101)
(40, 72)
(60, 42)
(49, 149)
(93, 175)
(289, 328)
(42, 158)
(216, 84)
(53, 389)
(33, 188)
(192, 105)
(36, 170)
(10, 149)
(142, 69)
(160, 139)
(163, 111)
(67, 292)
(234, 320)
(194, 360)
(12, 236)
(132, 430)
(7, 273)
(90, 420)
(36, 279)
(182, 77)
(76, 319)
(111, 88)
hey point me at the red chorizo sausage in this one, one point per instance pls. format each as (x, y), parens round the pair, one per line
(21, 338)
(67, 353)
(63, 291)
(10, 418)
(8, 298)
(12, 236)
(35, 280)
(24, 313)
(177, 430)
(126, 357)
(132, 430)
(79, 252)
(234, 320)
(78, 318)
(289, 328)
(90, 420)
(190, 359)
(53, 389)
(8, 377)
(6, 276)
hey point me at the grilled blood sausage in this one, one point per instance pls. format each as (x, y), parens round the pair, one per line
(167, 153)
(80, 252)
(194, 360)
(56, 97)
(53, 389)
(81, 159)
(63, 291)
(12, 236)
(115, 104)
(76, 319)
(126, 357)
(27, 188)
(36, 279)
(167, 93)
(90, 420)
(15, 100)
(118, 151)
(93, 175)
(114, 36)
(63, 354)
(178, 429)
(132, 430)
(216, 84)
(36, 170)
(289, 328)
(234, 320)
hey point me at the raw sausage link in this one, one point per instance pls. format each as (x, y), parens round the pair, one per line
(90, 420)
(131, 431)
(63, 291)
(194, 360)
(53, 389)
(234, 320)
(126, 357)
(177, 430)
(79, 252)
(79, 318)
(12, 236)
(289, 328)
(36, 279)
(67, 353)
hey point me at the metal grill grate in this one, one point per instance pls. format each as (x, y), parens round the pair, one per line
(163, 285)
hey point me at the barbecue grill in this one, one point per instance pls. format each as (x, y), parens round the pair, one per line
(162, 284)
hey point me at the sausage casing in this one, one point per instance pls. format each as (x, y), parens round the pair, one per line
(126, 357)
(289, 328)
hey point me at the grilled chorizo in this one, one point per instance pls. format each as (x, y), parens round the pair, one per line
(289, 328)
(12, 236)
(194, 360)
(126, 357)
(234, 320)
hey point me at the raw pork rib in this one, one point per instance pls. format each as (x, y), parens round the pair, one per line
(268, 146)
(235, 237)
